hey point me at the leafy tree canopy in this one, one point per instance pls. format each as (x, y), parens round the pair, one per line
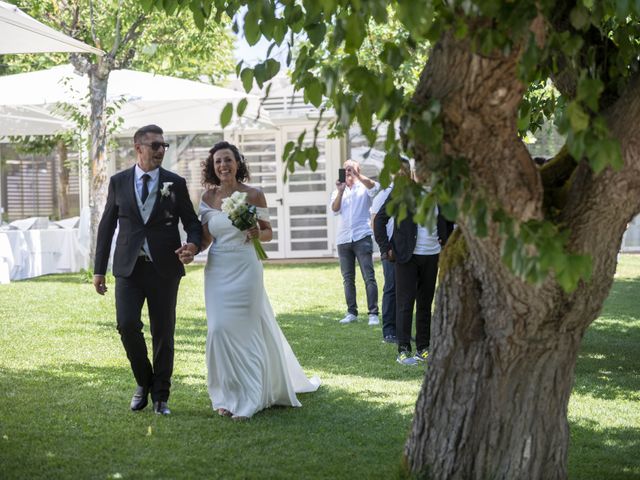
(574, 58)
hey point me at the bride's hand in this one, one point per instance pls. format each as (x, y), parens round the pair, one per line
(253, 232)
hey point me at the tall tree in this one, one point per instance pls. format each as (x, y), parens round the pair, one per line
(535, 251)
(131, 38)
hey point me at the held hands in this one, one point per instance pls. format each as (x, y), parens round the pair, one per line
(100, 284)
(187, 252)
(391, 256)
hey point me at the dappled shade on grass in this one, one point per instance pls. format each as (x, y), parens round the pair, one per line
(65, 386)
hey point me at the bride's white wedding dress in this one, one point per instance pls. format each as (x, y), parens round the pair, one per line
(249, 361)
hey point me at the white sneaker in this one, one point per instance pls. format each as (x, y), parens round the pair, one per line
(350, 318)
(373, 319)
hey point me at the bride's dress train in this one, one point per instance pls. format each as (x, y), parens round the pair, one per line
(249, 361)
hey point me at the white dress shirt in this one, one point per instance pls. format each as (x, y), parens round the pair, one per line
(376, 205)
(354, 221)
(153, 180)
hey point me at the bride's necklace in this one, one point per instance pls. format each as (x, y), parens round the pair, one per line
(226, 193)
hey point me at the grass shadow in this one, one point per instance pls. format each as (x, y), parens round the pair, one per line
(608, 364)
(72, 421)
(597, 452)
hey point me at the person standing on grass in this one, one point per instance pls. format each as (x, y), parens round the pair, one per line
(415, 251)
(250, 364)
(388, 267)
(351, 203)
(146, 202)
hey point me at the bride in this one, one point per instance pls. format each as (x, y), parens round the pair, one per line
(249, 361)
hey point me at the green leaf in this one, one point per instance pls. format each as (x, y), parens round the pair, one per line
(147, 5)
(392, 55)
(449, 210)
(279, 30)
(579, 17)
(330, 79)
(578, 267)
(312, 155)
(260, 74)
(313, 92)
(287, 149)
(266, 28)
(316, 33)
(272, 67)
(247, 79)
(242, 106)
(294, 16)
(226, 114)
(578, 118)
(170, 6)
(198, 15)
(251, 27)
(355, 32)
(524, 116)
(589, 91)
(604, 153)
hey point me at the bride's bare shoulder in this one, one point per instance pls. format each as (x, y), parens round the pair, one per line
(209, 196)
(256, 197)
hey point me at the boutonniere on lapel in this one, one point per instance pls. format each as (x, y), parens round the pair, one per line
(164, 191)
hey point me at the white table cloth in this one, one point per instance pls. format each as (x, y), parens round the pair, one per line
(32, 253)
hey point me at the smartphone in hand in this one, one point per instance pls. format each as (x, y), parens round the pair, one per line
(342, 176)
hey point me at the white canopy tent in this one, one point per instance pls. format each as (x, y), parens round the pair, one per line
(177, 105)
(29, 104)
(20, 33)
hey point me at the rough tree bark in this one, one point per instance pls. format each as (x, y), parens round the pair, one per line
(98, 81)
(120, 55)
(501, 367)
(62, 171)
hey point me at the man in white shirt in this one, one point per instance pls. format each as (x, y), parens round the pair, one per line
(351, 202)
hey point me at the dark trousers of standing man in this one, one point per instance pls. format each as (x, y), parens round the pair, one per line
(415, 283)
(161, 294)
(389, 299)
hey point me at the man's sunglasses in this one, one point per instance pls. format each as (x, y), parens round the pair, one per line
(155, 146)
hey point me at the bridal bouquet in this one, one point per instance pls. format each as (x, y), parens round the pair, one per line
(243, 216)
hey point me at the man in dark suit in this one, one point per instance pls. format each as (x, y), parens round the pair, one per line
(146, 202)
(415, 250)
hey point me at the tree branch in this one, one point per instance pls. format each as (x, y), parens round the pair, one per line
(116, 36)
(131, 36)
(133, 33)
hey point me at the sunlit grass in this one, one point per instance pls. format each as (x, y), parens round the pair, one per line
(65, 386)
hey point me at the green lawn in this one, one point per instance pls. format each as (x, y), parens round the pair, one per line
(65, 386)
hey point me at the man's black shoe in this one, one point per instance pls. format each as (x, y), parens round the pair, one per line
(140, 399)
(161, 408)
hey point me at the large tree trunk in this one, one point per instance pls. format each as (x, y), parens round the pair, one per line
(494, 401)
(503, 352)
(98, 80)
(63, 180)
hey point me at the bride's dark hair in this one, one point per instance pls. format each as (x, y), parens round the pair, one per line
(209, 176)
